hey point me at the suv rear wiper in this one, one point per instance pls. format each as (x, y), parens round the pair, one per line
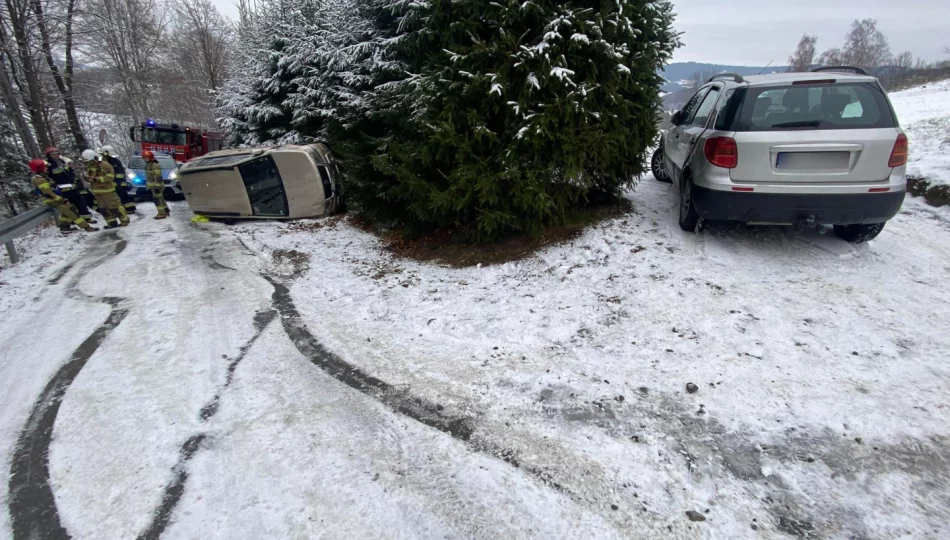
(799, 123)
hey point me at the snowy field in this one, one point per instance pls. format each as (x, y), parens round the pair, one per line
(924, 113)
(294, 380)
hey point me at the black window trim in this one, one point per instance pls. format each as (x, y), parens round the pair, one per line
(702, 90)
(719, 88)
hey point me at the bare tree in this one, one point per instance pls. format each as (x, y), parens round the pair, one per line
(804, 55)
(201, 38)
(195, 64)
(12, 108)
(903, 64)
(699, 78)
(63, 80)
(127, 36)
(18, 16)
(832, 57)
(864, 46)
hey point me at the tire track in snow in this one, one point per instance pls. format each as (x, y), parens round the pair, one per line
(461, 428)
(176, 488)
(33, 512)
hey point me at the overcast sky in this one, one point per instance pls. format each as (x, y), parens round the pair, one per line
(753, 32)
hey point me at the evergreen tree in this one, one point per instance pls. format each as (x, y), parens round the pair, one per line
(525, 108)
(483, 117)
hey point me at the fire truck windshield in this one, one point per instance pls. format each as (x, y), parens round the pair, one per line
(163, 136)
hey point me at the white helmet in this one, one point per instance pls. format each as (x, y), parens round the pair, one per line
(88, 155)
(107, 149)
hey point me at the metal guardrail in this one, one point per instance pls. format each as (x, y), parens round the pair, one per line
(22, 224)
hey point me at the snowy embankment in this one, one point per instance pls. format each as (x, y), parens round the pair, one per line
(924, 113)
(821, 399)
(42, 252)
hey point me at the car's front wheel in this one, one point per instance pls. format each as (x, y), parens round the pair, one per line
(858, 234)
(658, 166)
(689, 217)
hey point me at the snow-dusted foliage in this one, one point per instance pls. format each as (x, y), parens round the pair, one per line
(488, 117)
(295, 73)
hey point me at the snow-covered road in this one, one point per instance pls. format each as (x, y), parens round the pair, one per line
(295, 381)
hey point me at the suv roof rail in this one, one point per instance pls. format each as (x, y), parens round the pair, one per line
(856, 70)
(734, 76)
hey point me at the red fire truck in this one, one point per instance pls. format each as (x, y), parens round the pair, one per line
(180, 142)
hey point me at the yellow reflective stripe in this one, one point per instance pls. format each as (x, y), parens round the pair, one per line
(103, 191)
(80, 221)
(43, 186)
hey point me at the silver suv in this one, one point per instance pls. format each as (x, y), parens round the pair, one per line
(791, 148)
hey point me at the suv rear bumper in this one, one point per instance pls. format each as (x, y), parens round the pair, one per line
(835, 209)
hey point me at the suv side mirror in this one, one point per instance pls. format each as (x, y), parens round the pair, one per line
(676, 118)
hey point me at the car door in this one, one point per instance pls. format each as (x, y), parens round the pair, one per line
(693, 129)
(675, 153)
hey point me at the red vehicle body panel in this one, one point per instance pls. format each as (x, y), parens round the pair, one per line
(162, 138)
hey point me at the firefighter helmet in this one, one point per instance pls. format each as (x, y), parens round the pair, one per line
(37, 165)
(107, 149)
(89, 155)
(147, 155)
(52, 150)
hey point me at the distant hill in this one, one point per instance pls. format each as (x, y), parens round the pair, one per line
(681, 71)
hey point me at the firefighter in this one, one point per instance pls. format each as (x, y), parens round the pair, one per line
(101, 178)
(153, 180)
(122, 185)
(68, 215)
(60, 170)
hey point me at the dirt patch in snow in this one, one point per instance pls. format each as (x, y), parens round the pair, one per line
(312, 225)
(445, 247)
(290, 263)
(935, 195)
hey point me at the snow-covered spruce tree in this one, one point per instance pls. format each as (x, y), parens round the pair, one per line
(521, 109)
(379, 114)
(252, 106)
(299, 72)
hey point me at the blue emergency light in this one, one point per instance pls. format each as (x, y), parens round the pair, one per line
(150, 122)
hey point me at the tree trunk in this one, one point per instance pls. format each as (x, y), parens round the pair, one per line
(9, 96)
(72, 118)
(34, 93)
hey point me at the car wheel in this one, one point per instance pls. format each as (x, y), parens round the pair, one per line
(689, 217)
(858, 234)
(658, 167)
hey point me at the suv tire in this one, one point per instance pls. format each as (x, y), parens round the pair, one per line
(858, 234)
(689, 217)
(658, 167)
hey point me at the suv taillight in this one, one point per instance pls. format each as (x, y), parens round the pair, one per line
(899, 153)
(722, 152)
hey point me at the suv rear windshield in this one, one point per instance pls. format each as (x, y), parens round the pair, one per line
(810, 107)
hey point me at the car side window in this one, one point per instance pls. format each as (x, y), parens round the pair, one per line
(706, 107)
(690, 108)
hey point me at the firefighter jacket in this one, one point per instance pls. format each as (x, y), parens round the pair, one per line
(45, 187)
(119, 170)
(62, 173)
(101, 177)
(153, 175)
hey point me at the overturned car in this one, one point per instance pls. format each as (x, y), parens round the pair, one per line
(276, 182)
